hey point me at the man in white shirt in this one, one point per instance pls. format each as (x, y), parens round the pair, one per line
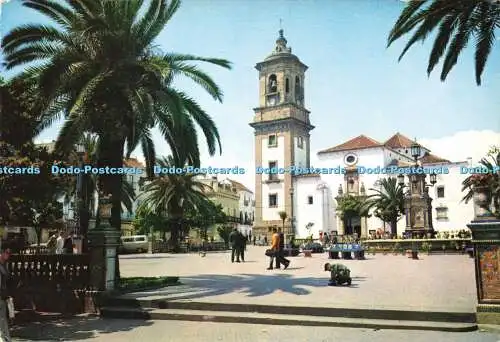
(60, 243)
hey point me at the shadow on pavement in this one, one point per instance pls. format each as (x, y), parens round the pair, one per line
(143, 256)
(249, 285)
(78, 328)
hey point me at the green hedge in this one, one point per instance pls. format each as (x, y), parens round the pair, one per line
(131, 284)
(424, 245)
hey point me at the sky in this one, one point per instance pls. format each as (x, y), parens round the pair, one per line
(354, 84)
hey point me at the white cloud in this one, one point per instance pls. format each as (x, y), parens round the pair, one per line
(462, 145)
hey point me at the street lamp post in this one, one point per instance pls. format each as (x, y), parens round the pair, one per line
(291, 211)
(80, 150)
(418, 207)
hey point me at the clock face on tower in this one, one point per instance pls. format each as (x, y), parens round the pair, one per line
(271, 100)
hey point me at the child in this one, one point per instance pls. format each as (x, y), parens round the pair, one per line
(339, 274)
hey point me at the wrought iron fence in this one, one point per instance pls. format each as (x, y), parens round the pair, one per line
(51, 283)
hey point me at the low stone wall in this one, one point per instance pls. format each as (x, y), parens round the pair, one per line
(423, 245)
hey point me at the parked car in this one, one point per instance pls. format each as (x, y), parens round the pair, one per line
(470, 251)
(134, 244)
(315, 247)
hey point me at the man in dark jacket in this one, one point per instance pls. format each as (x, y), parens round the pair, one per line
(281, 260)
(234, 240)
(242, 239)
(68, 244)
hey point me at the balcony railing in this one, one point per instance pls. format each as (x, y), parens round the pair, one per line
(233, 219)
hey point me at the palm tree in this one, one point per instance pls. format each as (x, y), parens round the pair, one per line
(456, 22)
(491, 180)
(350, 207)
(170, 195)
(98, 67)
(388, 202)
(283, 216)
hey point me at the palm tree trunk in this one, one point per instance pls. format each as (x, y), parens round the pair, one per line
(176, 213)
(175, 234)
(394, 227)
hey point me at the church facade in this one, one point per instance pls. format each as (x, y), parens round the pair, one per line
(308, 196)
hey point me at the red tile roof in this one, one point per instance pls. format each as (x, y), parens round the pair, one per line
(425, 160)
(400, 163)
(398, 141)
(358, 143)
(432, 159)
(239, 186)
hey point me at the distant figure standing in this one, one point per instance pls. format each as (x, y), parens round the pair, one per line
(254, 241)
(52, 244)
(265, 240)
(242, 242)
(234, 241)
(275, 245)
(68, 244)
(60, 243)
(326, 239)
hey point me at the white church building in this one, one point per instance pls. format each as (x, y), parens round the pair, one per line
(310, 200)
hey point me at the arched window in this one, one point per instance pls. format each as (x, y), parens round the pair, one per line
(298, 88)
(287, 85)
(272, 85)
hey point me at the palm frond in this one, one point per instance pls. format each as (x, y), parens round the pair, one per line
(456, 21)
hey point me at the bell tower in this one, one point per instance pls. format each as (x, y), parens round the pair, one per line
(282, 133)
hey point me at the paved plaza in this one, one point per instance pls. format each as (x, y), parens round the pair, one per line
(111, 330)
(433, 283)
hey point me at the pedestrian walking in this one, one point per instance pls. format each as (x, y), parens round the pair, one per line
(280, 259)
(275, 242)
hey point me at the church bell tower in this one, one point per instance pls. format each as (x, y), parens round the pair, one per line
(282, 134)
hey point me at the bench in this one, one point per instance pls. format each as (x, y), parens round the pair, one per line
(346, 251)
